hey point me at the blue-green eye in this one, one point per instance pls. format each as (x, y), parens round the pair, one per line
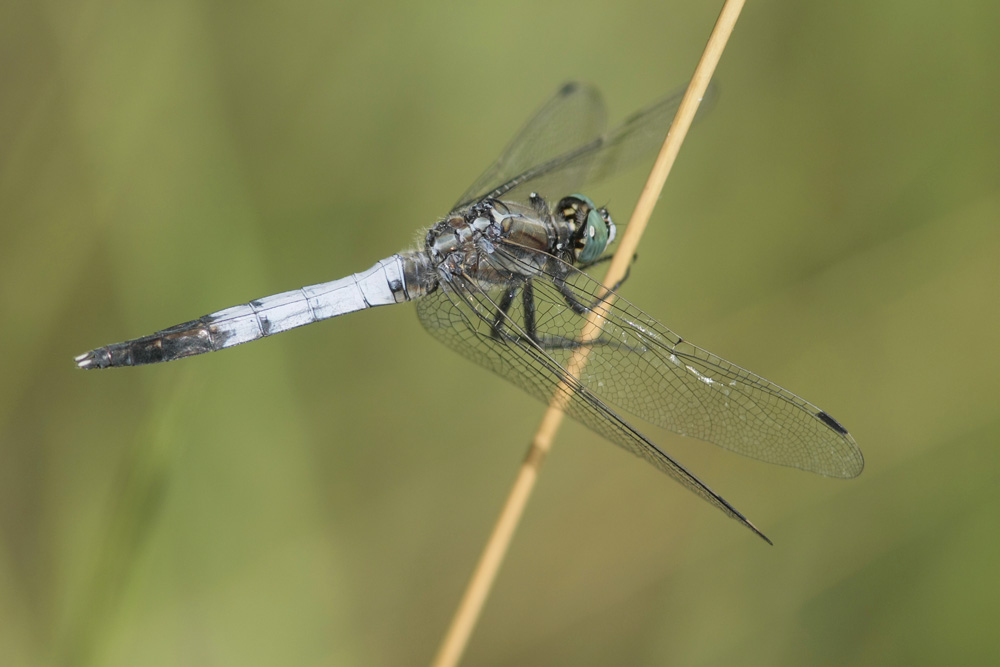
(595, 238)
(596, 232)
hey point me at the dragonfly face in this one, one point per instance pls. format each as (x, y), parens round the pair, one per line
(595, 230)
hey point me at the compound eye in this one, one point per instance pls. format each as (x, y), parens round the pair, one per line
(593, 227)
(612, 230)
(594, 236)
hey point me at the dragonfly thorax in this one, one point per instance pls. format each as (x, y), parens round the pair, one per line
(574, 231)
(458, 233)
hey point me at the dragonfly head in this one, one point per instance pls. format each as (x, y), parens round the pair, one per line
(594, 229)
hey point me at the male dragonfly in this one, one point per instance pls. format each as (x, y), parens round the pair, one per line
(501, 281)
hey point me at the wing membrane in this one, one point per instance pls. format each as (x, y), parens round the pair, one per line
(590, 159)
(461, 314)
(575, 115)
(647, 370)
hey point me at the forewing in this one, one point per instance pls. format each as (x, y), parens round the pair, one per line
(461, 314)
(635, 140)
(574, 116)
(643, 368)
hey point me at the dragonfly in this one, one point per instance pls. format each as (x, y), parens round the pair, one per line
(503, 280)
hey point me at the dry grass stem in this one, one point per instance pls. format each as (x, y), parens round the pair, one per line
(453, 645)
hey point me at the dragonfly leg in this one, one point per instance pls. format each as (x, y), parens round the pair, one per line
(555, 342)
(575, 304)
(606, 258)
(529, 325)
(540, 206)
(528, 303)
(578, 306)
(503, 308)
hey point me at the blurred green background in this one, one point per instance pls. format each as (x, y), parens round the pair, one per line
(321, 497)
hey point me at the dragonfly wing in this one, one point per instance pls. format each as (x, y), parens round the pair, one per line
(647, 370)
(575, 115)
(635, 140)
(463, 314)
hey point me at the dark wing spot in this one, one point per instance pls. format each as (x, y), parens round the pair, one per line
(569, 88)
(831, 422)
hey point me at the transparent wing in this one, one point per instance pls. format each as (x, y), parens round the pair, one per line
(647, 370)
(461, 314)
(575, 115)
(589, 160)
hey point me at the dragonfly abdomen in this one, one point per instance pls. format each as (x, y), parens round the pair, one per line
(383, 284)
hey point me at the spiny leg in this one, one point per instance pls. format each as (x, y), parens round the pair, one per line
(529, 324)
(576, 304)
(528, 304)
(607, 258)
(503, 313)
(554, 342)
(503, 310)
(539, 205)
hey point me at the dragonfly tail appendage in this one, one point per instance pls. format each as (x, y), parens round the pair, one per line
(183, 340)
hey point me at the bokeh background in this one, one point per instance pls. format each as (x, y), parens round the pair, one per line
(320, 498)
